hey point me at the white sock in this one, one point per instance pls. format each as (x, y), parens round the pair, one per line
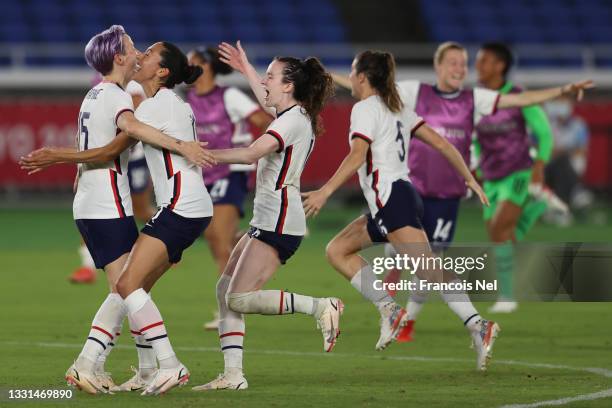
(416, 301)
(231, 330)
(271, 302)
(147, 360)
(99, 367)
(363, 281)
(460, 303)
(86, 259)
(101, 332)
(146, 316)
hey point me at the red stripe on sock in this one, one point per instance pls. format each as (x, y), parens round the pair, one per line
(144, 329)
(137, 333)
(231, 334)
(280, 308)
(103, 331)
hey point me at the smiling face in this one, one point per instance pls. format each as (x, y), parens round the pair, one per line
(130, 56)
(488, 66)
(276, 90)
(149, 68)
(451, 70)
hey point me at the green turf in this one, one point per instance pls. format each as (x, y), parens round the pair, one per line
(45, 319)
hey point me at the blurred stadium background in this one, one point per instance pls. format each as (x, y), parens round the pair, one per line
(43, 75)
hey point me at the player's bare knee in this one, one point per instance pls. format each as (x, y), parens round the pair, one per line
(333, 252)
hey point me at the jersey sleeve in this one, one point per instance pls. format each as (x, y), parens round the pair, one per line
(538, 123)
(118, 103)
(284, 130)
(239, 106)
(413, 121)
(409, 92)
(485, 101)
(363, 122)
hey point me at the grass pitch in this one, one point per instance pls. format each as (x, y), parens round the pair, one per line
(546, 351)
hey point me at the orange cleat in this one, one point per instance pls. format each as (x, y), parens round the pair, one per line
(405, 334)
(83, 275)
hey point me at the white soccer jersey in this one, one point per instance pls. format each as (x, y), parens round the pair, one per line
(485, 100)
(278, 204)
(388, 135)
(103, 190)
(239, 107)
(178, 184)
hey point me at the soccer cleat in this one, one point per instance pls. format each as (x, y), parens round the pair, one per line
(329, 322)
(483, 340)
(83, 275)
(166, 379)
(504, 306)
(225, 382)
(214, 323)
(84, 381)
(392, 319)
(106, 380)
(405, 334)
(136, 383)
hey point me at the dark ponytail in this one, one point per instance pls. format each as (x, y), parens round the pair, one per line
(210, 55)
(379, 68)
(176, 62)
(312, 86)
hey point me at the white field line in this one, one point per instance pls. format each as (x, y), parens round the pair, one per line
(563, 401)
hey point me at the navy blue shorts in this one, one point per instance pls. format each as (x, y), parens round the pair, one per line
(440, 219)
(230, 190)
(285, 244)
(175, 231)
(403, 208)
(108, 239)
(138, 175)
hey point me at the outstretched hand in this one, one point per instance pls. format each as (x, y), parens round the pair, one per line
(38, 160)
(577, 88)
(235, 57)
(313, 201)
(475, 187)
(195, 153)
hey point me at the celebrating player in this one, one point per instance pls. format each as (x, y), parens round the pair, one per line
(380, 131)
(102, 207)
(223, 115)
(294, 91)
(507, 168)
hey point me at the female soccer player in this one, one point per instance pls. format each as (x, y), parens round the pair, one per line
(223, 115)
(294, 91)
(102, 207)
(380, 132)
(452, 110)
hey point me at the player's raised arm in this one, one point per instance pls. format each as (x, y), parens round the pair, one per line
(527, 98)
(192, 151)
(236, 58)
(429, 136)
(48, 156)
(341, 80)
(313, 201)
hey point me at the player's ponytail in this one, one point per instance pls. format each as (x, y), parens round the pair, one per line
(379, 68)
(176, 62)
(312, 84)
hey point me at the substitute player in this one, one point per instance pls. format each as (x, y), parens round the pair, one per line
(380, 131)
(294, 91)
(223, 115)
(503, 145)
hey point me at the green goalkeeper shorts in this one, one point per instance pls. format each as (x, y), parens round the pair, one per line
(514, 188)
